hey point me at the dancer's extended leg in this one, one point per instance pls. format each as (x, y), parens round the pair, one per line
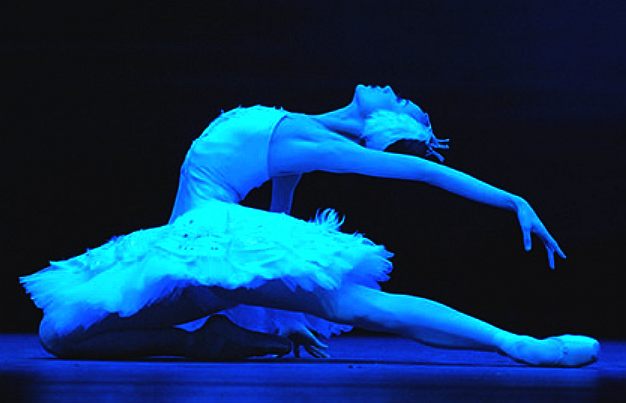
(418, 318)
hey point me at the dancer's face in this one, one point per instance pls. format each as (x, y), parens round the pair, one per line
(369, 99)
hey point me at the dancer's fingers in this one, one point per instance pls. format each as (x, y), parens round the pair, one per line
(556, 248)
(319, 335)
(316, 352)
(552, 247)
(313, 339)
(312, 351)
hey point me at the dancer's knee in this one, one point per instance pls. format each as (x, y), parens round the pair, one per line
(365, 307)
(53, 342)
(66, 345)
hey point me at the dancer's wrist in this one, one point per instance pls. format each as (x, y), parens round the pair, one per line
(517, 203)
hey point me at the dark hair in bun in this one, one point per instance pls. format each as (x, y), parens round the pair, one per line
(416, 148)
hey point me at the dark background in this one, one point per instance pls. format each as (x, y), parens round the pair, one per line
(103, 102)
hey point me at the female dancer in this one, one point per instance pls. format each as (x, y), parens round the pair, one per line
(267, 271)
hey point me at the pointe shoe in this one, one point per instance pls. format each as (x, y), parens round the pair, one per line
(576, 351)
(559, 351)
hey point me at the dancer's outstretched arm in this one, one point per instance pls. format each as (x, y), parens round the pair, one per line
(343, 156)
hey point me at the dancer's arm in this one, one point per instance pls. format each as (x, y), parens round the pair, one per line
(348, 157)
(339, 156)
(283, 188)
(358, 159)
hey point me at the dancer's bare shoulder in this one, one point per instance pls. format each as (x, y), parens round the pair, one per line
(297, 142)
(301, 127)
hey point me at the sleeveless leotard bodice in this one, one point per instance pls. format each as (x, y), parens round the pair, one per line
(228, 160)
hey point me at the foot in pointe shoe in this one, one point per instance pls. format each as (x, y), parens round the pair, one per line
(576, 351)
(559, 351)
(221, 339)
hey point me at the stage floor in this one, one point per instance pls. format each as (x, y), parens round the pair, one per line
(363, 368)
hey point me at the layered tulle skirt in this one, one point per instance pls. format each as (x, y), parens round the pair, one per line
(222, 244)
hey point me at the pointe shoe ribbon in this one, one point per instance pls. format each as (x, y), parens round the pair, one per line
(576, 351)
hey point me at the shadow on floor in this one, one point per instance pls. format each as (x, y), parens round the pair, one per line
(368, 368)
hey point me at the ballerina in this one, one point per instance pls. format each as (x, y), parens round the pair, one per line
(264, 275)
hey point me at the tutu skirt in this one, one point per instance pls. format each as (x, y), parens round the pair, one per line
(221, 244)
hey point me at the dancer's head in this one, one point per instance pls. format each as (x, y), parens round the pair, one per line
(369, 99)
(395, 124)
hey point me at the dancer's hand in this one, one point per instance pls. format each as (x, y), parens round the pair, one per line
(302, 336)
(531, 224)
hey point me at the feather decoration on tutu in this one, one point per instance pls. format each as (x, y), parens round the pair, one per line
(329, 219)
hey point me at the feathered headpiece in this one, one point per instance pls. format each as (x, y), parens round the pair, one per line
(383, 128)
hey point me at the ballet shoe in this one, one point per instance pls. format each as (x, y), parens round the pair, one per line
(221, 339)
(558, 351)
(576, 351)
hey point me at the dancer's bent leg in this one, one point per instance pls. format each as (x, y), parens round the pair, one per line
(417, 318)
(151, 332)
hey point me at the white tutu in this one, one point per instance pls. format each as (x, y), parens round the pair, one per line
(222, 244)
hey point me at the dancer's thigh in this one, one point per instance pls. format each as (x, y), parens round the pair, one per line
(276, 294)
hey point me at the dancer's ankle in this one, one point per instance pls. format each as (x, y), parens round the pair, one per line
(503, 340)
(529, 350)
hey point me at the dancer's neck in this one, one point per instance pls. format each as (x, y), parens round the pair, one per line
(346, 120)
